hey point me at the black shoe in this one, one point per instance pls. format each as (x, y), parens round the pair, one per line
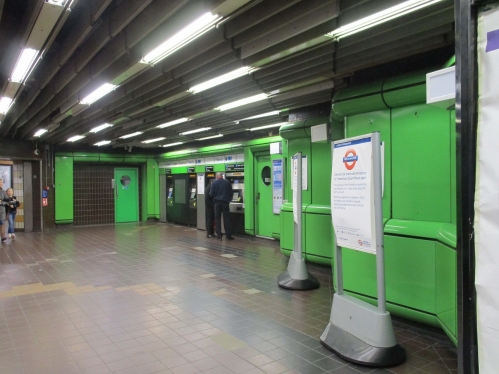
(4, 239)
(209, 236)
(219, 237)
(230, 238)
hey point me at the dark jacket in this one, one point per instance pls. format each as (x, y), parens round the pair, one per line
(221, 190)
(207, 198)
(12, 207)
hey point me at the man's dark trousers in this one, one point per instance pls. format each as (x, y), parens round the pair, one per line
(210, 217)
(221, 207)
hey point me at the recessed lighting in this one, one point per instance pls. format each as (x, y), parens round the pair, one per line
(195, 131)
(101, 127)
(172, 123)
(98, 93)
(268, 114)
(172, 144)
(245, 101)
(5, 104)
(75, 138)
(153, 140)
(24, 64)
(183, 37)
(221, 79)
(40, 132)
(268, 126)
(211, 137)
(380, 17)
(103, 142)
(130, 135)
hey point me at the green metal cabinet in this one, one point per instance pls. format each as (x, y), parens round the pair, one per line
(63, 189)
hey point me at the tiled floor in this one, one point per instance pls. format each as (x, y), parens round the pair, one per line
(158, 298)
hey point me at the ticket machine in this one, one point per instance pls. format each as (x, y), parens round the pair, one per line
(192, 191)
(204, 180)
(169, 197)
(236, 206)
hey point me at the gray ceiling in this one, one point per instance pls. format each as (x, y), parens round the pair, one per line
(99, 40)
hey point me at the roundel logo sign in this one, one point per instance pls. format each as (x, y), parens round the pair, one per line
(350, 158)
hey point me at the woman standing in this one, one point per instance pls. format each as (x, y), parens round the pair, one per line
(11, 211)
(3, 207)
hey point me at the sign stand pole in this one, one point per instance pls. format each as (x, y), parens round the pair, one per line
(358, 331)
(296, 277)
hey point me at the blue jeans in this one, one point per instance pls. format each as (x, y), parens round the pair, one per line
(12, 218)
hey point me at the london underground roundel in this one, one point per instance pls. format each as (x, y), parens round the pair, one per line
(350, 159)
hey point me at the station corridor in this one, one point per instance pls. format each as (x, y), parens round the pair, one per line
(159, 298)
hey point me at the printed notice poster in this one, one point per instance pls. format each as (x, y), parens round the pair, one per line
(304, 174)
(294, 182)
(351, 194)
(200, 184)
(277, 185)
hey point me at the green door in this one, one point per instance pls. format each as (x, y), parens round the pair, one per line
(126, 195)
(263, 189)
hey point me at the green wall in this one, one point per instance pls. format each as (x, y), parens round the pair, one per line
(64, 162)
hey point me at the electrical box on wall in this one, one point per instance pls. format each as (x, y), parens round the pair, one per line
(276, 148)
(319, 133)
(441, 88)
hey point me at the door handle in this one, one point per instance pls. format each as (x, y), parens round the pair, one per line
(258, 196)
(116, 191)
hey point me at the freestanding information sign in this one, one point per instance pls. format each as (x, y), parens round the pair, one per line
(357, 331)
(296, 277)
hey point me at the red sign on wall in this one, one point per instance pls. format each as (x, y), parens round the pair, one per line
(45, 201)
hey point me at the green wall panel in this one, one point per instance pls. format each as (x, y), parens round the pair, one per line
(318, 236)
(421, 177)
(287, 227)
(366, 123)
(453, 167)
(63, 189)
(320, 174)
(409, 272)
(446, 289)
(152, 190)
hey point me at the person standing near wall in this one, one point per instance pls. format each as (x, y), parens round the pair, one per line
(210, 211)
(11, 211)
(3, 204)
(221, 192)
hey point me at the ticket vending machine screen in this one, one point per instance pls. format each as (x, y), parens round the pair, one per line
(170, 192)
(193, 193)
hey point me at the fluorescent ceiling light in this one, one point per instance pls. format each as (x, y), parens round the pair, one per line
(57, 2)
(75, 138)
(172, 144)
(24, 64)
(130, 135)
(40, 132)
(103, 142)
(211, 137)
(98, 93)
(195, 131)
(380, 17)
(171, 123)
(101, 127)
(268, 114)
(5, 103)
(269, 126)
(183, 37)
(153, 140)
(242, 102)
(221, 79)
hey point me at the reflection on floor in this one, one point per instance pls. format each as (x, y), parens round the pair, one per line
(158, 298)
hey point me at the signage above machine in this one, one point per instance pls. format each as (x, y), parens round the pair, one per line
(208, 168)
(168, 171)
(190, 170)
(234, 167)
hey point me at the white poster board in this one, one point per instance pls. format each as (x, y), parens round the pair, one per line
(277, 185)
(200, 182)
(487, 193)
(352, 200)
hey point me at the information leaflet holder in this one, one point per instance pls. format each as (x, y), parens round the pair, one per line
(296, 277)
(358, 331)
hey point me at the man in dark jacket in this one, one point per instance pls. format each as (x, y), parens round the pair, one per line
(210, 211)
(221, 193)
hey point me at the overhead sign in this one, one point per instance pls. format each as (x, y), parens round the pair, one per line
(352, 206)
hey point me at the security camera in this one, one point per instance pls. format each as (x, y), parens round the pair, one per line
(36, 152)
